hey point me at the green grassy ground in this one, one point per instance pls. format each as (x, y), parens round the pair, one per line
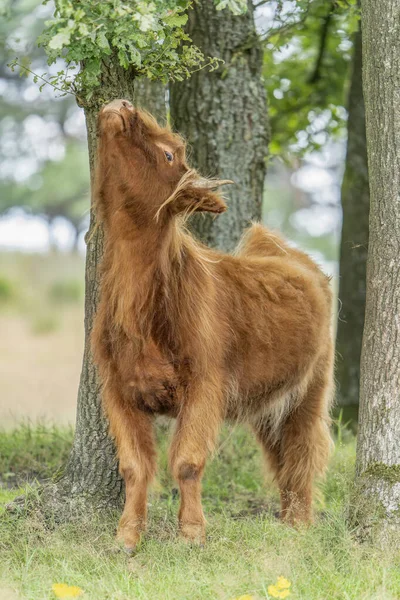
(32, 453)
(247, 548)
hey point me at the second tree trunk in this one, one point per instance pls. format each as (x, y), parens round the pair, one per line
(223, 116)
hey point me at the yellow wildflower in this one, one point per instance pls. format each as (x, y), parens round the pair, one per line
(275, 592)
(282, 583)
(62, 590)
(280, 589)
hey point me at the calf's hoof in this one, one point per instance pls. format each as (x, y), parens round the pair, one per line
(129, 537)
(297, 520)
(194, 533)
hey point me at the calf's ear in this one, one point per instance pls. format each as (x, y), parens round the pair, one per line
(199, 200)
(200, 196)
(211, 202)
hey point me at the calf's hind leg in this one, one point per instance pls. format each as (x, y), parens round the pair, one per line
(300, 453)
(133, 433)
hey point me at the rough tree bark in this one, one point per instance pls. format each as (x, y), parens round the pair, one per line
(151, 96)
(378, 450)
(354, 243)
(91, 474)
(223, 115)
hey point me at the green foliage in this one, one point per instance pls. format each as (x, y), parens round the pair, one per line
(237, 7)
(306, 66)
(148, 37)
(49, 197)
(7, 291)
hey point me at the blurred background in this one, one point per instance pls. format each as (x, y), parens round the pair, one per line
(44, 189)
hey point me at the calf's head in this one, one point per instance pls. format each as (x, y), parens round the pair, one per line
(142, 168)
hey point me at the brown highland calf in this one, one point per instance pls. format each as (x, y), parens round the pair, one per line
(199, 335)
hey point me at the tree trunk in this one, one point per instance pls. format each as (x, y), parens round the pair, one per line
(223, 116)
(354, 243)
(151, 96)
(91, 475)
(234, 147)
(378, 451)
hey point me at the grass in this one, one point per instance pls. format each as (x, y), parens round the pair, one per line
(30, 453)
(246, 550)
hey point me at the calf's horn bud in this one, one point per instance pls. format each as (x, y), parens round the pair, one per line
(210, 184)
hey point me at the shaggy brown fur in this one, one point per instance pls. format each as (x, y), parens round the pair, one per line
(199, 335)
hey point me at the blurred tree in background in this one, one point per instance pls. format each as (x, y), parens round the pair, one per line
(308, 49)
(354, 243)
(42, 155)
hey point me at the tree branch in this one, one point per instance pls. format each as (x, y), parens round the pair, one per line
(316, 75)
(286, 26)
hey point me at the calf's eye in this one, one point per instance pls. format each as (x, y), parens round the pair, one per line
(169, 156)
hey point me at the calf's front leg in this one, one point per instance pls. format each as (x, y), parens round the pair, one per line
(195, 435)
(133, 433)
